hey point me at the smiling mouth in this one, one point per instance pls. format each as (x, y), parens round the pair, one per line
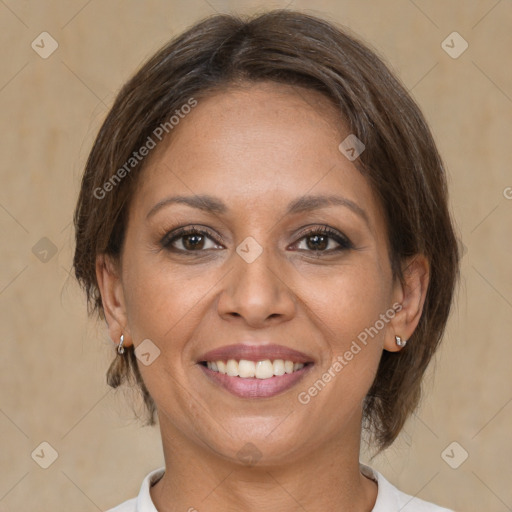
(245, 369)
(255, 379)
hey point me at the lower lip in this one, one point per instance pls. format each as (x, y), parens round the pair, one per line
(253, 387)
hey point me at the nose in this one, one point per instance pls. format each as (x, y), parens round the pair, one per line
(257, 292)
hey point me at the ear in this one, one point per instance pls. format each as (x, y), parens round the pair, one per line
(410, 294)
(112, 296)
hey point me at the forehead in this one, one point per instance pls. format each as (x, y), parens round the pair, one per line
(256, 147)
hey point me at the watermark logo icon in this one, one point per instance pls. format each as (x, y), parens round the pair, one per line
(44, 45)
(454, 45)
(44, 455)
(454, 455)
(44, 250)
(249, 454)
(147, 352)
(249, 249)
(351, 147)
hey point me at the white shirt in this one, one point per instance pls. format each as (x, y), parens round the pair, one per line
(389, 498)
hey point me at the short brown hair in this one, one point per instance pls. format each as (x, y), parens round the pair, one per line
(400, 161)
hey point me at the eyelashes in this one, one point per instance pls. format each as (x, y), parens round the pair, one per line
(195, 240)
(188, 233)
(325, 233)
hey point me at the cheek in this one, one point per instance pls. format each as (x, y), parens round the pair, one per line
(353, 311)
(347, 314)
(351, 298)
(164, 300)
(163, 304)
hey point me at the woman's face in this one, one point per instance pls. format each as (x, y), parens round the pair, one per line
(258, 272)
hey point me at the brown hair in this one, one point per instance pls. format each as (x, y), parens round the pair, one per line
(400, 161)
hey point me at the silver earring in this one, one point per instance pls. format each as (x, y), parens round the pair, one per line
(120, 348)
(400, 342)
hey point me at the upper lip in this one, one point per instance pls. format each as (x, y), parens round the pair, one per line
(255, 353)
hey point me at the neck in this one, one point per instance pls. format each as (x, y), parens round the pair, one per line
(326, 477)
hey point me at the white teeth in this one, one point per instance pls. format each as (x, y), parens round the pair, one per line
(264, 369)
(278, 367)
(248, 369)
(232, 368)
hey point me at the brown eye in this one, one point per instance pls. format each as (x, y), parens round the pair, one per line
(317, 242)
(194, 241)
(189, 240)
(325, 240)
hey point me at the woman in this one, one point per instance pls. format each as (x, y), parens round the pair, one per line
(263, 224)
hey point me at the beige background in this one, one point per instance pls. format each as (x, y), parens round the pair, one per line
(54, 359)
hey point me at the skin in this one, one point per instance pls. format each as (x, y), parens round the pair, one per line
(257, 148)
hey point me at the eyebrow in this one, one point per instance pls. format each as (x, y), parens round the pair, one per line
(211, 204)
